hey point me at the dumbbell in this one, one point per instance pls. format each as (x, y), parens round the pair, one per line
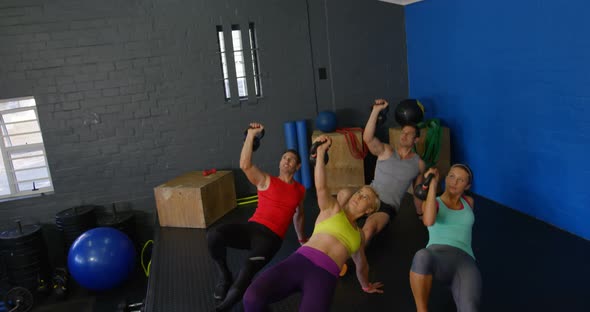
(257, 138)
(313, 153)
(208, 172)
(421, 190)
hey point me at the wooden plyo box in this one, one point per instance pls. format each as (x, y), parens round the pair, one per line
(444, 159)
(343, 170)
(195, 201)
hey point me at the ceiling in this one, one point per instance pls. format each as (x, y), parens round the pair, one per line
(401, 2)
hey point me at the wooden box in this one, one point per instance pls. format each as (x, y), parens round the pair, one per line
(444, 160)
(195, 201)
(343, 170)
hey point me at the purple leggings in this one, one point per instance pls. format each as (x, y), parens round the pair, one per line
(308, 270)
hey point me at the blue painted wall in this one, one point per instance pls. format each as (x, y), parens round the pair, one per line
(512, 81)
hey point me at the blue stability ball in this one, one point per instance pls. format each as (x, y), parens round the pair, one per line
(101, 258)
(326, 121)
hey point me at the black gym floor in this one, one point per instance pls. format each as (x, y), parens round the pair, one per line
(526, 265)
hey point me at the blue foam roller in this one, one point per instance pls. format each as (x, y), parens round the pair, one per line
(291, 141)
(304, 152)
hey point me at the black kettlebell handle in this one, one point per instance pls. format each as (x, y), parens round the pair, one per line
(257, 138)
(259, 135)
(421, 190)
(313, 153)
(382, 117)
(383, 111)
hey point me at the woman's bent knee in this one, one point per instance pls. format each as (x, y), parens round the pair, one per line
(423, 262)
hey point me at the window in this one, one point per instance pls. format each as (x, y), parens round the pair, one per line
(254, 50)
(23, 165)
(221, 44)
(241, 61)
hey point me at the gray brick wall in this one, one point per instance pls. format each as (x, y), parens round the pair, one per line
(129, 93)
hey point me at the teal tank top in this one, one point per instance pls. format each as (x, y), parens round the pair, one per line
(452, 227)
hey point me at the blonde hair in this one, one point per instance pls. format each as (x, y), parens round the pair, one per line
(377, 203)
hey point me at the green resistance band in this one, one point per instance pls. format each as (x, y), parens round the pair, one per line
(247, 200)
(146, 270)
(432, 142)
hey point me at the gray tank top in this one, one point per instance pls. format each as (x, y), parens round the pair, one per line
(393, 176)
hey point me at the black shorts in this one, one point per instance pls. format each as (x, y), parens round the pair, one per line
(389, 210)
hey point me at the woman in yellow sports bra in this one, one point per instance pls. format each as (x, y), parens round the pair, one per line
(313, 269)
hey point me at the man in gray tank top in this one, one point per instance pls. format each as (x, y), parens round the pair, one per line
(395, 171)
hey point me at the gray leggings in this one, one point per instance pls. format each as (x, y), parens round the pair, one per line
(453, 267)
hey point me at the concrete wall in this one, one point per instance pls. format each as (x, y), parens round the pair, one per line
(362, 44)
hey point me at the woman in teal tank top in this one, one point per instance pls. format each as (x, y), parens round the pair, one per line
(448, 257)
(313, 269)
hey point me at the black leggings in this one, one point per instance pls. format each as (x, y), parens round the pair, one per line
(260, 240)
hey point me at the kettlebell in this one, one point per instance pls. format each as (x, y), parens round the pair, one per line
(257, 138)
(313, 153)
(421, 190)
(382, 117)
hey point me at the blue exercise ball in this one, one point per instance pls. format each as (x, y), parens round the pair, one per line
(101, 258)
(326, 121)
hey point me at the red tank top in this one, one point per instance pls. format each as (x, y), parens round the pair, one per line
(277, 205)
